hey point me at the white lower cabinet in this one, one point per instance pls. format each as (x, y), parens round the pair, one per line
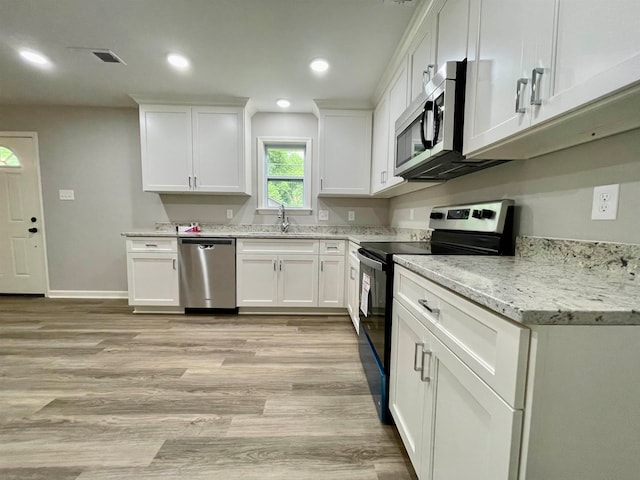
(452, 422)
(353, 284)
(277, 280)
(152, 272)
(290, 273)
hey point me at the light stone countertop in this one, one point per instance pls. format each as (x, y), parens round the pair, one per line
(534, 292)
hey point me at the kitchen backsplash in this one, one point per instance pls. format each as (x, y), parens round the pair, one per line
(613, 257)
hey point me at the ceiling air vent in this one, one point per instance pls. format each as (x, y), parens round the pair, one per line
(107, 56)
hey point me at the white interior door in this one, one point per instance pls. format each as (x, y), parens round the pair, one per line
(22, 259)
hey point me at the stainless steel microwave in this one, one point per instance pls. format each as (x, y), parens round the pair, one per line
(429, 133)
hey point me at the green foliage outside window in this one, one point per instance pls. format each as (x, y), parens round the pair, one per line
(285, 175)
(8, 158)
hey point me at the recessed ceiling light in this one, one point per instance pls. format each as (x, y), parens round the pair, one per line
(283, 103)
(319, 65)
(178, 61)
(34, 57)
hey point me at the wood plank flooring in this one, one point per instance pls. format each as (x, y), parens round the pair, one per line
(90, 391)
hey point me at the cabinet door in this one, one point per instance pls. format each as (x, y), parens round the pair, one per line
(353, 294)
(298, 280)
(166, 148)
(256, 280)
(331, 289)
(345, 152)
(497, 37)
(153, 279)
(597, 52)
(380, 153)
(422, 62)
(408, 393)
(475, 433)
(218, 150)
(452, 25)
(398, 101)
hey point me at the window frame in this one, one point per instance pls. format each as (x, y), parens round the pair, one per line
(262, 144)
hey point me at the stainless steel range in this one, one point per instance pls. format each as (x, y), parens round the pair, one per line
(474, 229)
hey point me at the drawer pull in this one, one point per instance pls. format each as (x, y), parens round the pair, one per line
(425, 304)
(425, 371)
(418, 348)
(151, 245)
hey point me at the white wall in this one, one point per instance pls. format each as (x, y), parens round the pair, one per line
(96, 152)
(553, 192)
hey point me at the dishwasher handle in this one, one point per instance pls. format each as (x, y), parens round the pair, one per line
(208, 242)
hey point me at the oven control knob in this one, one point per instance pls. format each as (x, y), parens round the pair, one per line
(477, 214)
(487, 213)
(437, 215)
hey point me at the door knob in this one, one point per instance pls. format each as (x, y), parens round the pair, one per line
(33, 230)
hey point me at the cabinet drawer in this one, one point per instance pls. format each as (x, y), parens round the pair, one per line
(252, 245)
(353, 249)
(492, 346)
(152, 244)
(332, 247)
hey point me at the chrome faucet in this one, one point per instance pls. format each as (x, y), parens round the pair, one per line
(285, 221)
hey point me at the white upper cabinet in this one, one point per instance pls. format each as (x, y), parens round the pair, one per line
(534, 66)
(422, 62)
(380, 152)
(166, 148)
(194, 149)
(345, 152)
(452, 24)
(496, 43)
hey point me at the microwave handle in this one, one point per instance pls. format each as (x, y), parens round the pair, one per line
(428, 144)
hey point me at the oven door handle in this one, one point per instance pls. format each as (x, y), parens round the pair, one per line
(370, 262)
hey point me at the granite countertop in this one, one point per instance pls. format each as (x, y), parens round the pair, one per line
(534, 292)
(356, 234)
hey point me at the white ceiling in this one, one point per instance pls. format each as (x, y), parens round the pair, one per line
(239, 48)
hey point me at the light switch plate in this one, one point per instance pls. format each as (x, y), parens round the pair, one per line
(352, 215)
(605, 202)
(229, 213)
(66, 194)
(323, 214)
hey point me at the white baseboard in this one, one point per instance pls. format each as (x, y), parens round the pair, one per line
(87, 294)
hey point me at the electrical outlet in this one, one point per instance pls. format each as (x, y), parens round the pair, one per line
(66, 195)
(352, 215)
(605, 202)
(229, 213)
(323, 214)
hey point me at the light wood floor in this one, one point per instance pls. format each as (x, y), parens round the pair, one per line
(90, 391)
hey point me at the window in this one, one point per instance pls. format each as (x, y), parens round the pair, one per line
(284, 171)
(8, 158)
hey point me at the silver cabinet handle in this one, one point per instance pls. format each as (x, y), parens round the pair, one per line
(519, 84)
(195, 182)
(151, 245)
(353, 273)
(174, 263)
(280, 265)
(417, 348)
(189, 181)
(322, 266)
(425, 371)
(536, 74)
(274, 265)
(321, 182)
(428, 74)
(425, 304)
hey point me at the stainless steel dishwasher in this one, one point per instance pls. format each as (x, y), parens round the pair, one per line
(208, 272)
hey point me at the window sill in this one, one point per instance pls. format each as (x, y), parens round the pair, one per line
(289, 212)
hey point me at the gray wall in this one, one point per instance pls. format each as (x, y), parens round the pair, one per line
(96, 152)
(554, 192)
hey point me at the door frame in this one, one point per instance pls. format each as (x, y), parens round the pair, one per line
(34, 137)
